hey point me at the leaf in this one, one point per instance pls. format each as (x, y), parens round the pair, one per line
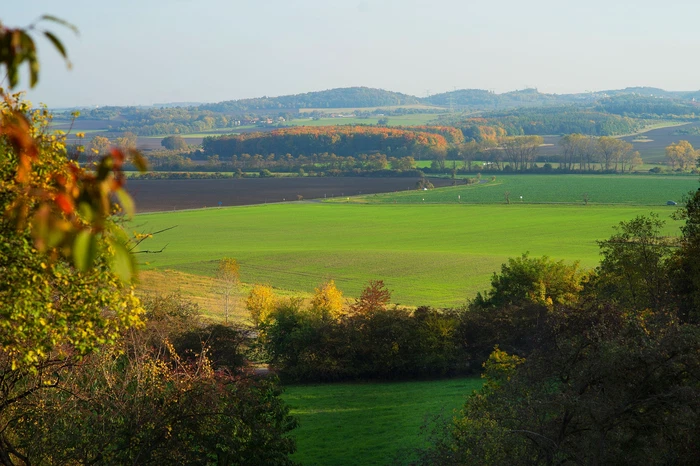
(138, 160)
(84, 250)
(60, 21)
(123, 262)
(59, 46)
(125, 201)
(64, 203)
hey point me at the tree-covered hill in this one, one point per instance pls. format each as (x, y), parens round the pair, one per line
(348, 97)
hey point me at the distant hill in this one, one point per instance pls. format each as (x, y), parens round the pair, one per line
(347, 97)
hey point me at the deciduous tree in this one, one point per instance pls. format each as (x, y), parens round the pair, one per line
(327, 301)
(261, 303)
(228, 278)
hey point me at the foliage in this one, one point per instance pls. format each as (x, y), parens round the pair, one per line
(374, 298)
(544, 121)
(327, 301)
(59, 250)
(332, 98)
(682, 154)
(525, 280)
(260, 303)
(174, 143)
(17, 46)
(685, 267)
(342, 140)
(602, 388)
(647, 106)
(144, 403)
(634, 270)
(382, 344)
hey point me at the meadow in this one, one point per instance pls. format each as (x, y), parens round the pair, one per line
(370, 424)
(438, 255)
(651, 190)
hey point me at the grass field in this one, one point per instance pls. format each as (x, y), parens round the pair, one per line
(438, 255)
(551, 189)
(369, 424)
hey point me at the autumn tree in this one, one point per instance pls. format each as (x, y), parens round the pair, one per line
(578, 148)
(261, 302)
(228, 279)
(127, 141)
(99, 145)
(613, 151)
(373, 298)
(327, 301)
(681, 154)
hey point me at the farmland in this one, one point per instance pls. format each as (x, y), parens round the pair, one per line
(434, 254)
(651, 144)
(158, 195)
(551, 189)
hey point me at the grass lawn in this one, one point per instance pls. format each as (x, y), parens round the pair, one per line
(437, 254)
(369, 424)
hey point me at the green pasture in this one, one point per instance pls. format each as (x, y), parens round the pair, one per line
(433, 254)
(370, 424)
(645, 190)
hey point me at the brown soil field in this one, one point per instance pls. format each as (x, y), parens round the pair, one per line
(162, 195)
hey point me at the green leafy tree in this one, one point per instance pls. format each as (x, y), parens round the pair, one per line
(601, 389)
(634, 271)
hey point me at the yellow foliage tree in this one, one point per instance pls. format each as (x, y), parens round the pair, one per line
(261, 303)
(228, 277)
(327, 300)
(681, 154)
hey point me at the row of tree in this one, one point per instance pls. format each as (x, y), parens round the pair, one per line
(546, 121)
(342, 140)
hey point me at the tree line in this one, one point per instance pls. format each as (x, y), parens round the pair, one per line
(342, 140)
(546, 121)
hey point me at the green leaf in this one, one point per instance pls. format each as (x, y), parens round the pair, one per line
(126, 202)
(84, 250)
(60, 21)
(59, 46)
(123, 262)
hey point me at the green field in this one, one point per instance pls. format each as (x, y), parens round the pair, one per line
(551, 189)
(369, 424)
(439, 255)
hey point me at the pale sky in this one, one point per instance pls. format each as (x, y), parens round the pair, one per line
(153, 51)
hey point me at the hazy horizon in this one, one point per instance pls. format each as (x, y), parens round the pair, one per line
(158, 51)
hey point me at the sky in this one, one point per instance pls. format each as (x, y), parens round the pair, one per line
(143, 52)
